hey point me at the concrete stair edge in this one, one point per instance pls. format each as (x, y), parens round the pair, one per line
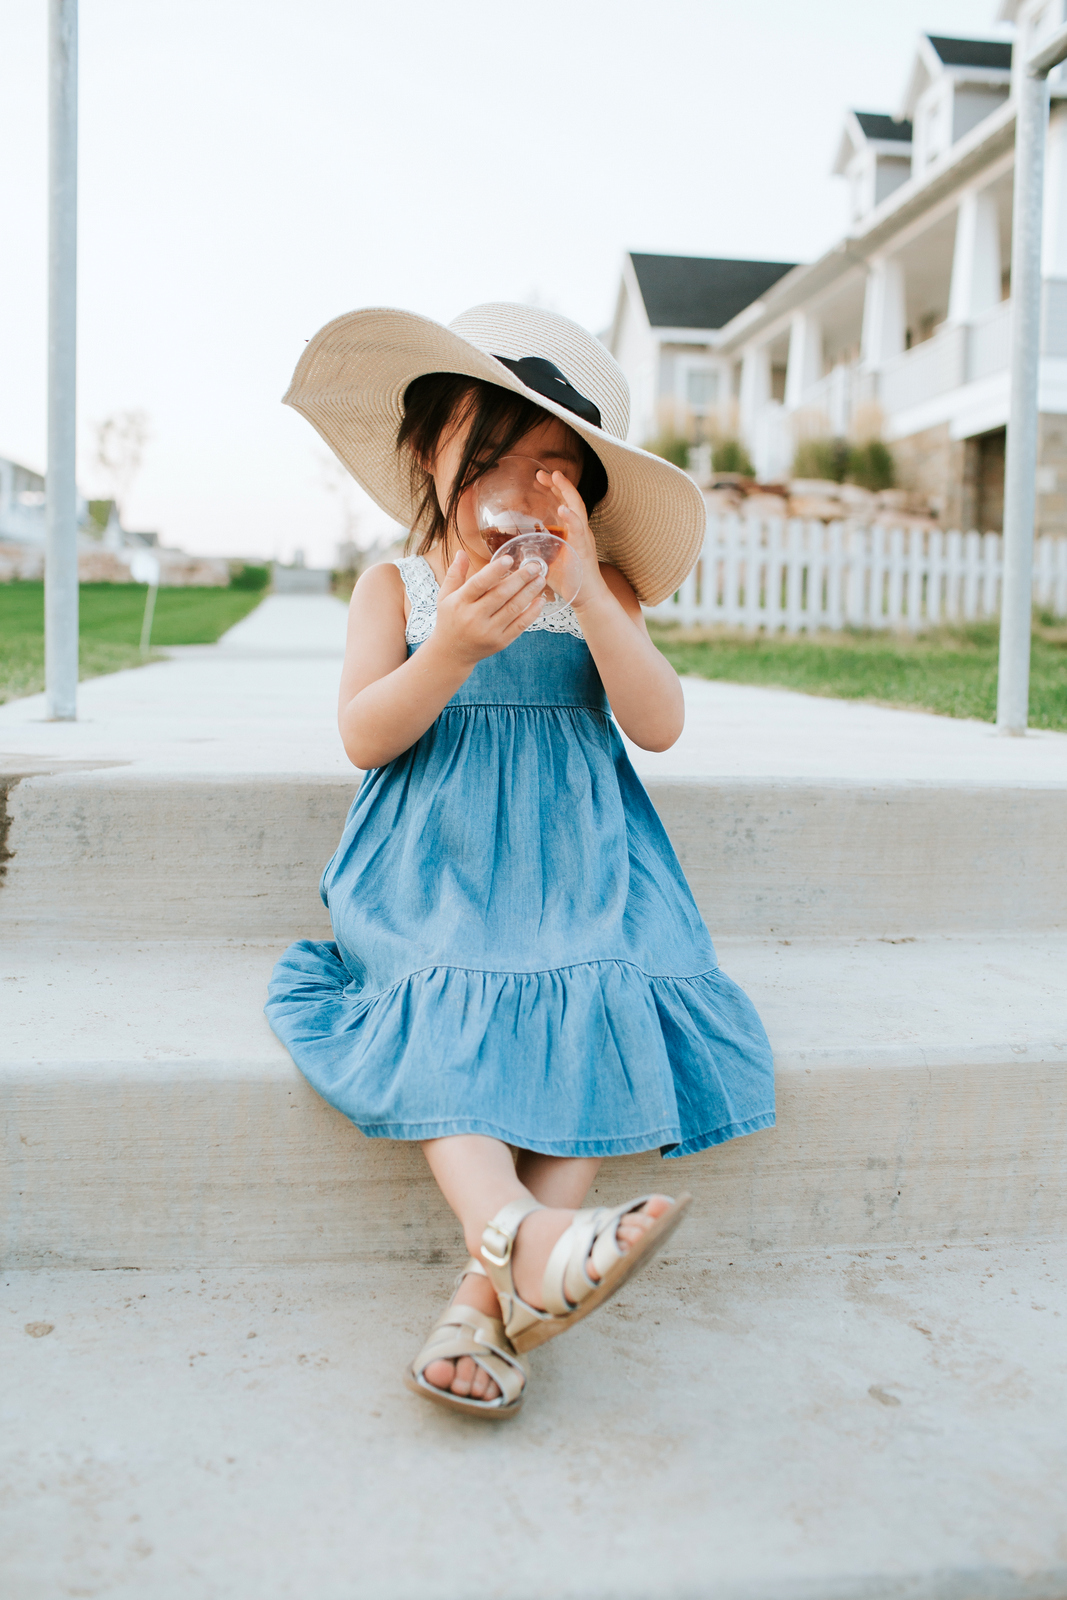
(106, 853)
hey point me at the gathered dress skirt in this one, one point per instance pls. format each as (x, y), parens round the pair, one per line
(516, 951)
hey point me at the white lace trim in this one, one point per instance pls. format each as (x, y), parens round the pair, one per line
(422, 586)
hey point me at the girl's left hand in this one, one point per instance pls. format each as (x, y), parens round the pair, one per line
(573, 517)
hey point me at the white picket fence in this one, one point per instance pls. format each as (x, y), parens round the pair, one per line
(757, 573)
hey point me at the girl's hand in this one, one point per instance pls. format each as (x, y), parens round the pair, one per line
(480, 615)
(573, 517)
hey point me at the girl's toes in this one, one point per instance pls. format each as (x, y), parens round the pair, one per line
(464, 1378)
(629, 1228)
(635, 1223)
(483, 1387)
(440, 1374)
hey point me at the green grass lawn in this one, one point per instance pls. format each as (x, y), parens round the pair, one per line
(952, 671)
(110, 627)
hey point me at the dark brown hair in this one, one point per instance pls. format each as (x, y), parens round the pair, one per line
(499, 418)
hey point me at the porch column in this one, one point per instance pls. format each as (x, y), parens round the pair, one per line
(804, 363)
(1054, 232)
(755, 389)
(884, 315)
(976, 258)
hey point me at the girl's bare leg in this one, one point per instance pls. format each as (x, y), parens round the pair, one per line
(477, 1176)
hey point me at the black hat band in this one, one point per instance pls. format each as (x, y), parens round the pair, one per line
(545, 378)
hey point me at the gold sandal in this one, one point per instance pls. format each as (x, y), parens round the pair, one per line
(465, 1331)
(568, 1291)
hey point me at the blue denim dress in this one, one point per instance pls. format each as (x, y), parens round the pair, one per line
(516, 951)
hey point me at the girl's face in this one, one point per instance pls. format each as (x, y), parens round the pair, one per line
(551, 442)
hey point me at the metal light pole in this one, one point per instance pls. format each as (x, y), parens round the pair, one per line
(61, 554)
(1020, 492)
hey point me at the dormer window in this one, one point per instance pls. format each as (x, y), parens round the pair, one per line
(875, 156)
(933, 122)
(955, 84)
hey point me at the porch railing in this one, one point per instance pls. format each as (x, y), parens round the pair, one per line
(929, 369)
(989, 344)
(798, 575)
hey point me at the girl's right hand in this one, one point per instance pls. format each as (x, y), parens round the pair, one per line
(479, 615)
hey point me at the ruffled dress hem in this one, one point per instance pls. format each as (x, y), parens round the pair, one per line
(607, 1041)
(668, 1141)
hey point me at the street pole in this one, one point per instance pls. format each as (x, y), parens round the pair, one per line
(1020, 489)
(61, 551)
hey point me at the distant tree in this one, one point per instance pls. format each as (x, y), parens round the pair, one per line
(338, 481)
(120, 442)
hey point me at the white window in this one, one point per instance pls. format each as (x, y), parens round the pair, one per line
(932, 140)
(701, 388)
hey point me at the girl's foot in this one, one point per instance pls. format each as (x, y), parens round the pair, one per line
(465, 1378)
(540, 1230)
(533, 1246)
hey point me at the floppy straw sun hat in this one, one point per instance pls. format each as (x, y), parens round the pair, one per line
(350, 382)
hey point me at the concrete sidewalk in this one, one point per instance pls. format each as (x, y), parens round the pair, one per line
(264, 700)
(845, 1379)
(872, 1425)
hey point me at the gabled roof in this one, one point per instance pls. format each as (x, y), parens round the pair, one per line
(701, 291)
(993, 54)
(864, 128)
(938, 55)
(879, 125)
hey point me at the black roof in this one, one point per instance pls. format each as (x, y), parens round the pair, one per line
(701, 291)
(973, 52)
(876, 125)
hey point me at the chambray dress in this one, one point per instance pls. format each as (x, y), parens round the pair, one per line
(516, 951)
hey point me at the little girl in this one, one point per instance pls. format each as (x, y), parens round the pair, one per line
(520, 978)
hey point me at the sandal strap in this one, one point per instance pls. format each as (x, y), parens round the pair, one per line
(498, 1239)
(473, 1266)
(591, 1237)
(465, 1331)
(566, 1281)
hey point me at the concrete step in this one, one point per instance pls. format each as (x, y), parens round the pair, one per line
(119, 853)
(883, 1425)
(152, 1120)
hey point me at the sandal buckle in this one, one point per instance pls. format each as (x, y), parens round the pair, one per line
(504, 1247)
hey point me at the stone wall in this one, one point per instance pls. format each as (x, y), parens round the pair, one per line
(1052, 474)
(963, 478)
(25, 561)
(931, 465)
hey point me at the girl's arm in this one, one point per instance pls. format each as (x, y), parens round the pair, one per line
(388, 699)
(642, 686)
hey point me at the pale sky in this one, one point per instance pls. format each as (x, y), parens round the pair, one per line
(252, 168)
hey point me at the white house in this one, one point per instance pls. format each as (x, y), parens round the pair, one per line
(903, 328)
(21, 504)
(105, 547)
(668, 322)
